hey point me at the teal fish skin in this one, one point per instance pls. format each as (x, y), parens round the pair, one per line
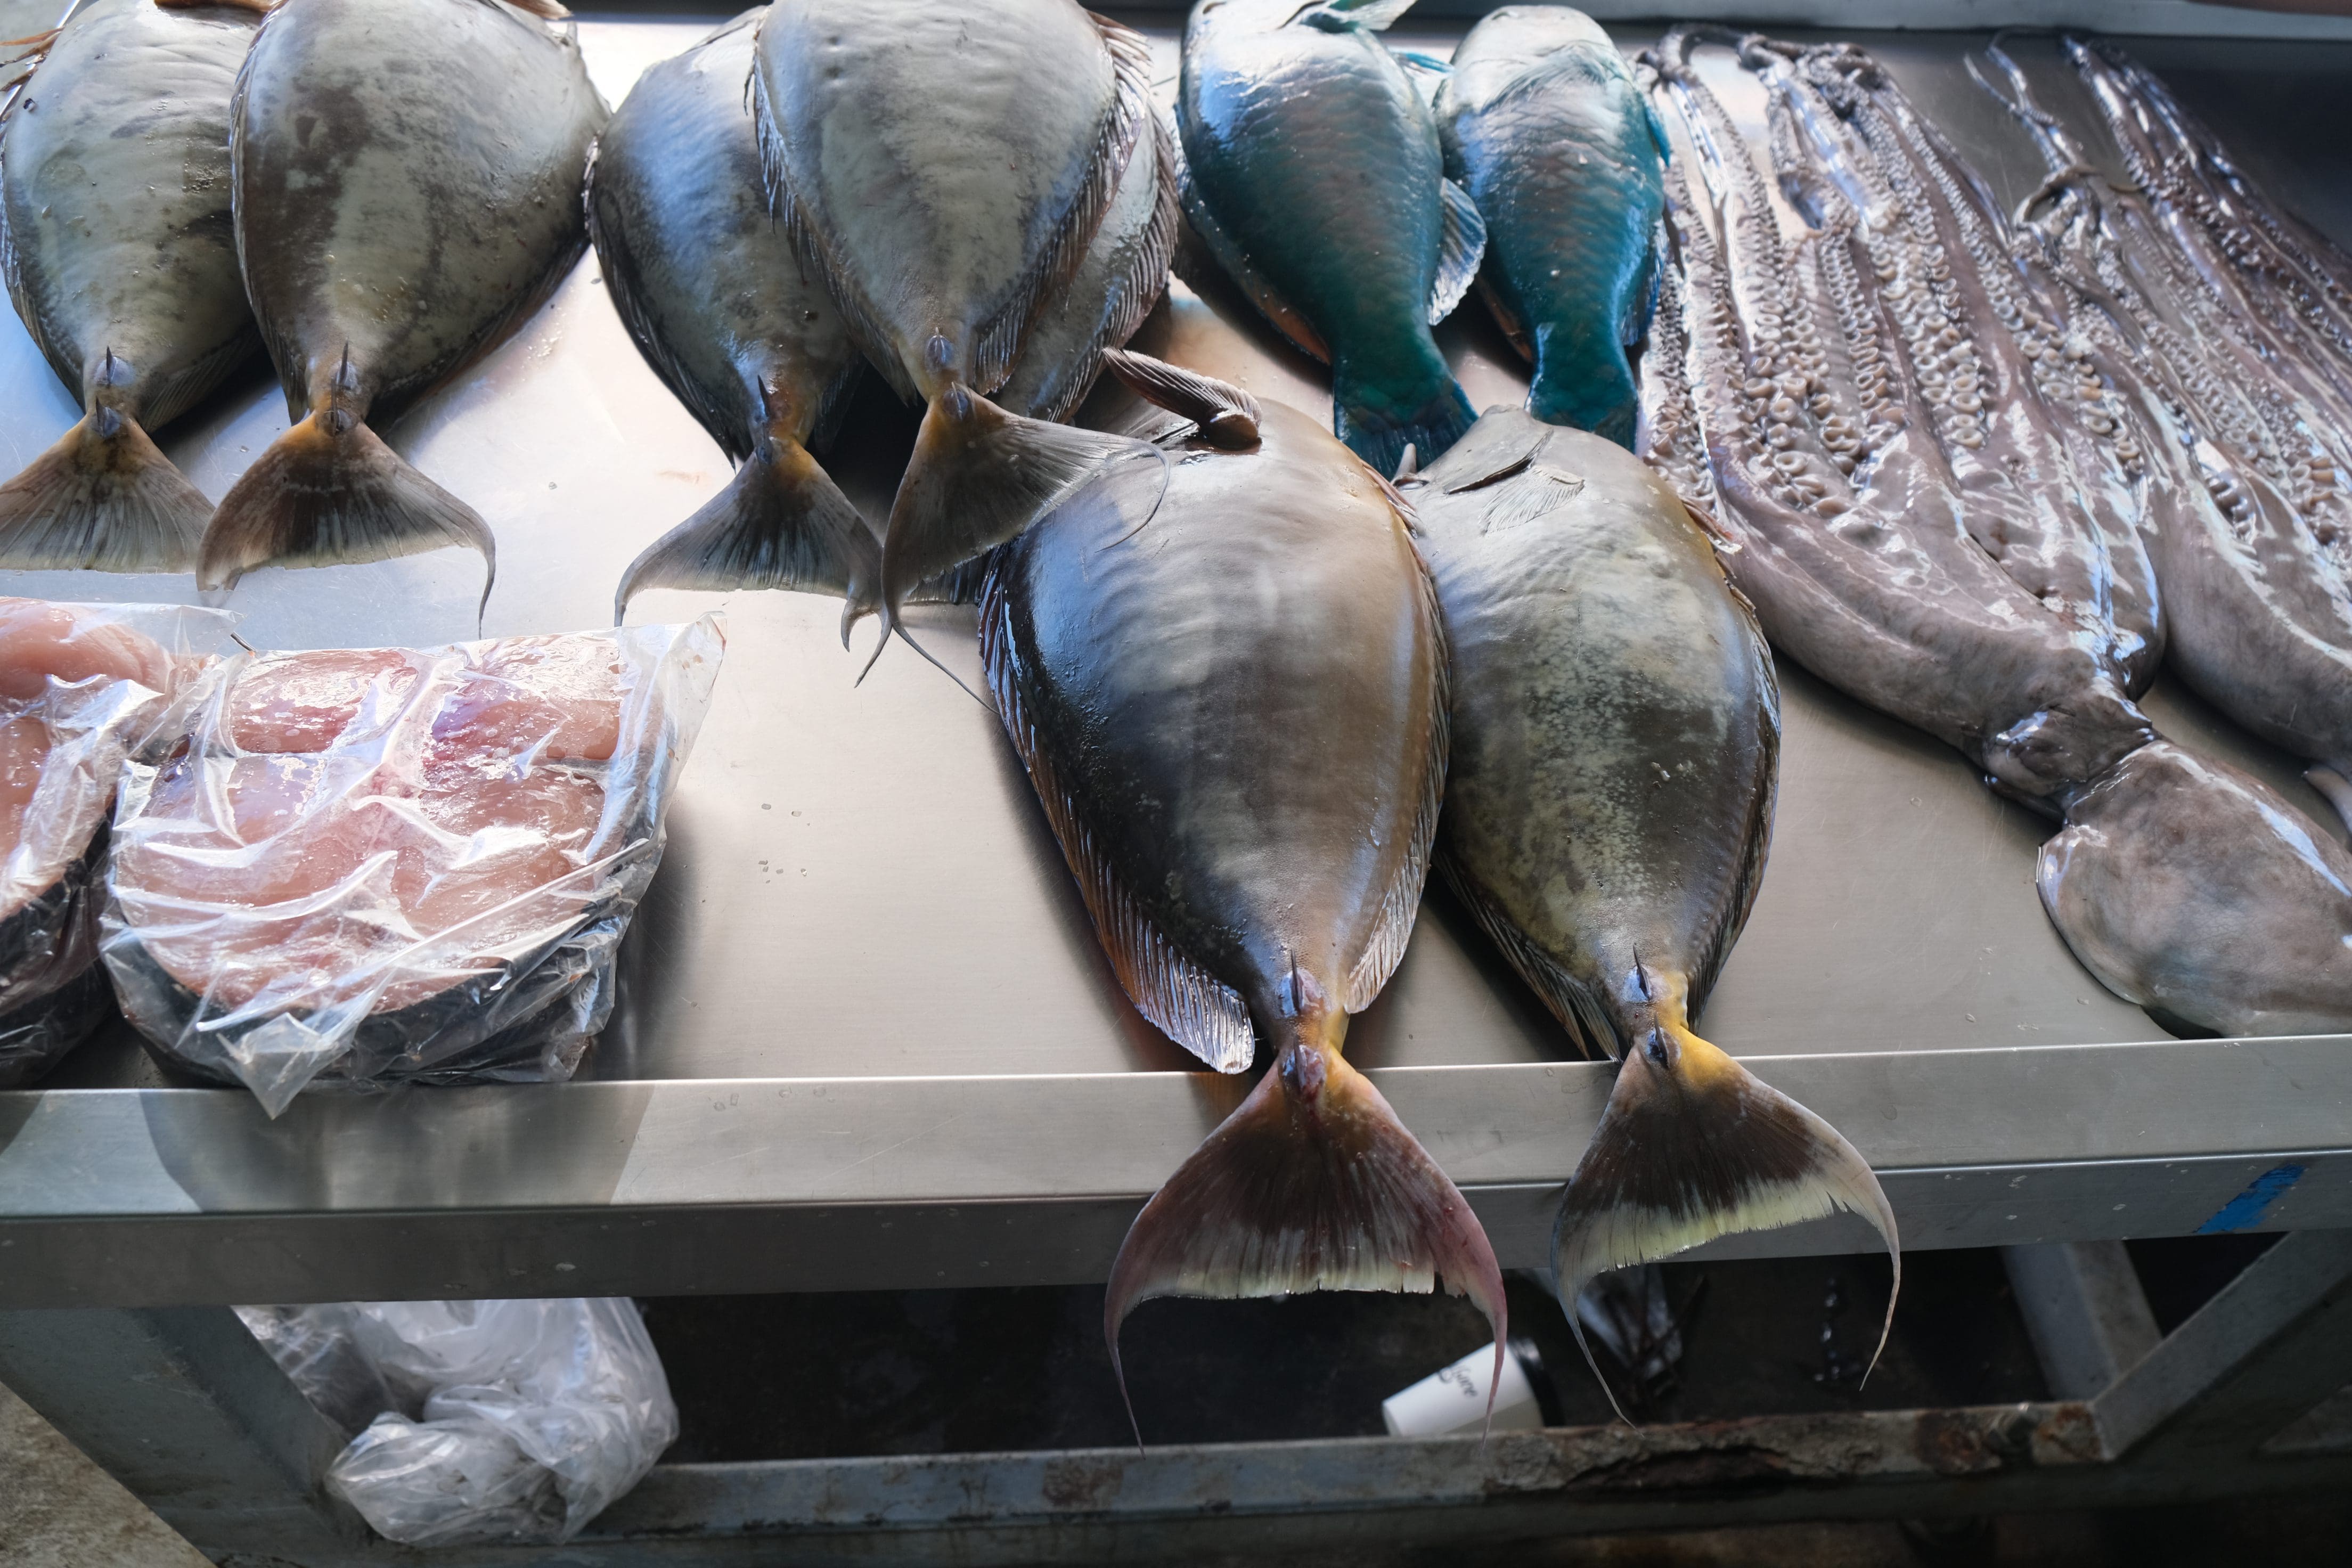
(1544, 126)
(1321, 163)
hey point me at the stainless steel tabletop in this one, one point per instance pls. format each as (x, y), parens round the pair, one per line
(866, 1036)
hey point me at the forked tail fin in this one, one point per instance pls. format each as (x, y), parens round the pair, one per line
(103, 498)
(1312, 1184)
(329, 490)
(1691, 1147)
(978, 477)
(780, 522)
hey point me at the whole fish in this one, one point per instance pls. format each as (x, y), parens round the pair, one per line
(407, 191)
(1123, 276)
(1245, 786)
(115, 242)
(944, 169)
(710, 292)
(1314, 174)
(1545, 127)
(1616, 737)
(2184, 885)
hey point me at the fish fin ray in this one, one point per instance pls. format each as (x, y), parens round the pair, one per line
(1760, 821)
(1461, 246)
(780, 522)
(314, 498)
(1146, 278)
(1179, 998)
(1400, 904)
(1235, 264)
(107, 503)
(1566, 998)
(978, 477)
(1372, 15)
(809, 245)
(1700, 1149)
(1002, 337)
(1222, 413)
(1290, 1194)
(1513, 328)
(1426, 72)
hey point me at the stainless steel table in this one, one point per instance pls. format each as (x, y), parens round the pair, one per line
(865, 1038)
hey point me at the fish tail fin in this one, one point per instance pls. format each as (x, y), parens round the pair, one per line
(104, 498)
(1692, 1147)
(329, 490)
(978, 478)
(780, 522)
(1587, 385)
(1312, 1184)
(1378, 423)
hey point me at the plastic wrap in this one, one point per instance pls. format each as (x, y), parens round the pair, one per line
(82, 688)
(492, 1422)
(363, 866)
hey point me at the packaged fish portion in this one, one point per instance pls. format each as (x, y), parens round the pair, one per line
(81, 688)
(368, 865)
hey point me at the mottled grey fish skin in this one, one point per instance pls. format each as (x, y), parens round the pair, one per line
(934, 157)
(1616, 722)
(115, 205)
(1123, 276)
(408, 188)
(701, 273)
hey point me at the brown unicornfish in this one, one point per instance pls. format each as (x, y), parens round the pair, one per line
(944, 169)
(1608, 808)
(407, 191)
(709, 288)
(1245, 786)
(115, 240)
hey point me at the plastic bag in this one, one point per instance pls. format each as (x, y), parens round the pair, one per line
(494, 1422)
(368, 865)
(82, 687)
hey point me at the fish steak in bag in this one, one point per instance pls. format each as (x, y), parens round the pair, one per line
(380, 864)
(81, 688)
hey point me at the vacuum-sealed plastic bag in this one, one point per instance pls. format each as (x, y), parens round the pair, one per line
(82, 687)
(493, 1422)
(366, 865)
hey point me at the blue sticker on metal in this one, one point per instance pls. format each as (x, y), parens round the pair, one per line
(2247, 1207)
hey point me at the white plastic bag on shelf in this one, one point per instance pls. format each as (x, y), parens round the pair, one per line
(367, 865)
(82, 687)
(494, 1422)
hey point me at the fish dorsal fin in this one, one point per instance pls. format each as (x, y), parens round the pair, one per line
(1236, 265)
(1226, 416)
(1402, 902)
(1566, 998)
(1426, 72)
(1183, 1000)
(1002, 336)
(1461, 246)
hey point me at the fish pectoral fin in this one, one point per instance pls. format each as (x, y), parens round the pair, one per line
(104, 498)
(1692, 1147)
(329, 490)
(978, 478)
(1235, 264)
(1461, 246)
(1226, 416)
(1181, 999)
(1312, 1184)
(780, 522)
